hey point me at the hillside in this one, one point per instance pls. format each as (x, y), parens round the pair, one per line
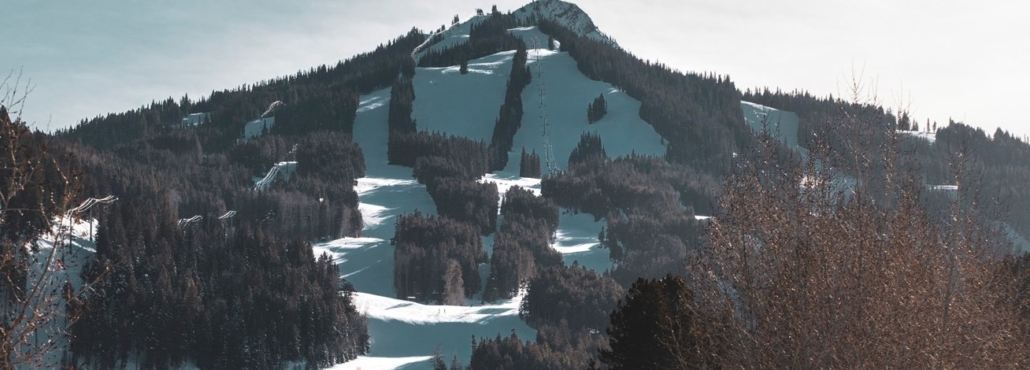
(494, 188)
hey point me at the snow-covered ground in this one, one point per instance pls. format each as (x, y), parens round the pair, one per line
(62, 254)
(925, 135)
(566, 94)
(405, 333)
(463, 105)
(376, 363)
(454, 35)
(256, 127)
(781, 124)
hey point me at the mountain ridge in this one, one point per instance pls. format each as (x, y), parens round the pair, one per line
(652, 162)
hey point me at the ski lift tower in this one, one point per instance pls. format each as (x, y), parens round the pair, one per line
(552, 168)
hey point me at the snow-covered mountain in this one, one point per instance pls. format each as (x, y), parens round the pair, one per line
(464, 100)
(447, 101)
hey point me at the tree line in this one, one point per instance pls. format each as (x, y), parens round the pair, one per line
(436, 259)
(522, 247)
(698, 115)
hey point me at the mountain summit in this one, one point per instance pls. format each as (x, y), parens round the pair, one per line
(566, 14)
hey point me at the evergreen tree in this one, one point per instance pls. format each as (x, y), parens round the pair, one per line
(653, 328)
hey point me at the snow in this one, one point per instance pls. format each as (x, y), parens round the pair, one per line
(532, 36)
(925, 135)
(467, 105)
(282, 168)
(781, 124)
(195, 119)
(464, 105)
(576, 240)
(392, 309)
(567, 92)
(944, 187)
(453, 35)
(506, 181)
(254, 128)
(381, 363)
(565, 14)
(62, 253)
(1018, 241)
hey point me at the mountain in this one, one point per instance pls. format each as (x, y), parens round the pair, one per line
(504, 179)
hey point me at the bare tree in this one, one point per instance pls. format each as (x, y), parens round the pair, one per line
(34, 289)
(809, 267)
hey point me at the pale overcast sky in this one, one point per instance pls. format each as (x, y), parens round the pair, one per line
(963, 59)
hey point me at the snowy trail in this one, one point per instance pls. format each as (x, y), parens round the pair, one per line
(567, 92)
(404, 333)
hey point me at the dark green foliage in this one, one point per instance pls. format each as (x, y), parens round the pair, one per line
(318, 107)
(399, 122)
(485, 38)
(468, 158)
(466, 201)
(654, 328)
(522, 247)
(554, 350)
(243, 292)
(510, 117)
(426, 247)
(320, 98)
(579, 297)
(635, 184)
(1001, 160)
(597, 109)
(589, 149)
(698, 115)
(174, 294)
(648, 205)
(36, 181)
(330, 156)
(529, 165)
(257, 155)
(30, 171)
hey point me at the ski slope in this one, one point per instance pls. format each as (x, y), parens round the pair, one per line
(566, 94)
(463, 105)
(405, 333)
(254, 128)
(780, 124)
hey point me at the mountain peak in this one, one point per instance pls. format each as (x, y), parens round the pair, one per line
(565, 13)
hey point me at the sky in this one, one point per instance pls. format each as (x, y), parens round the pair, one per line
(939, 59)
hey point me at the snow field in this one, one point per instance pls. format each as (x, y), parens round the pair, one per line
(781, 124)
(567, 92)
(254, 128)
(405, 333)
(463, 105)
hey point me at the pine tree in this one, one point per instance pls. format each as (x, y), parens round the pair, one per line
(453, 286)
(653, 328)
